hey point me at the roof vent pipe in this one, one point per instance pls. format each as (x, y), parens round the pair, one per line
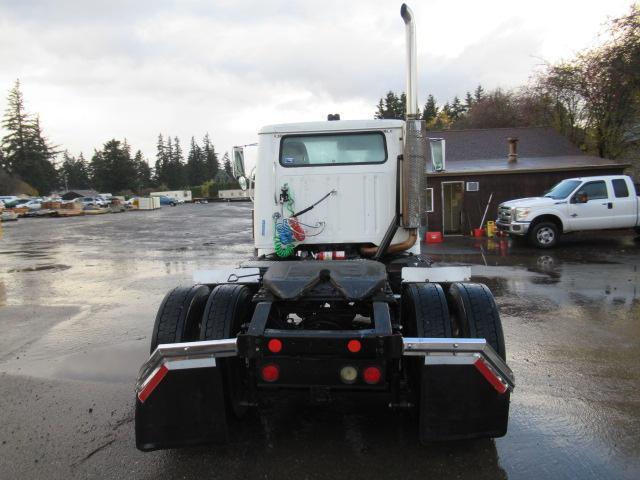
(513, 149)
(412, 66)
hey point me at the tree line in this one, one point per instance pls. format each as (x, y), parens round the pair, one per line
(28, 162)
(593, 98)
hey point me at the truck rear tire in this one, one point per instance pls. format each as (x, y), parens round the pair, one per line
(227, 309)
(425, 312)
(544, 235)
(178, 318)
(476, 314)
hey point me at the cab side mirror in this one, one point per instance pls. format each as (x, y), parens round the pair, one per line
(238, 167)
(438, 154)
(581, 197)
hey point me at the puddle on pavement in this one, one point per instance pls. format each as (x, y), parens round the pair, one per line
(39, 268)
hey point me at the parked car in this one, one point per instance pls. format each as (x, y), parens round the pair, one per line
(32, 204)
(8, 199)
(93, 201)
(573, 205)
(164, 200)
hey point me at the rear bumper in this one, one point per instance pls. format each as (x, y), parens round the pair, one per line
(514, 228)
(436, 351)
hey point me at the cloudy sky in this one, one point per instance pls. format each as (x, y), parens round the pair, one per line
(96, 70)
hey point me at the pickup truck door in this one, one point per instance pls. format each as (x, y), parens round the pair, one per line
(625, 206)
(596, 212)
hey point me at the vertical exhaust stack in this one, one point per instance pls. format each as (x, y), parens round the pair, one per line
(513, 149)
(415, 137)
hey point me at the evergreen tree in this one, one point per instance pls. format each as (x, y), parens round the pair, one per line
(143, 172)
(431, 109)
(479, 93)
(468, 101)
(161, 161)
(73, 172)
(212, 166)
(176, 178)
(112, 168)
(27, 154)
(196, 166)
(392, 106)
(457, 109)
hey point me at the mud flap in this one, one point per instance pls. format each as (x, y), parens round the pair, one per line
(457, 402)
(187, 407)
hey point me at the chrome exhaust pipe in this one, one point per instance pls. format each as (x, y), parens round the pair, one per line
(412, 66)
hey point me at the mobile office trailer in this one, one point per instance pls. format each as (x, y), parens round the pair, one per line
(180, 195)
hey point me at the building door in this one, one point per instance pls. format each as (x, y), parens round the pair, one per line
(452, 199)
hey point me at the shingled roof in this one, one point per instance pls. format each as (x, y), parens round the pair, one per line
(485, 151)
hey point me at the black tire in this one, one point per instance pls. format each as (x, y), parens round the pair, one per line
(425, 312)
(227, 309)
(178, 318)
(476, 314)
(544, 235)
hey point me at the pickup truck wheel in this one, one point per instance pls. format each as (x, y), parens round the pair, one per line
(476, 314)
(228, 308)
(544, 235)
(178, 318)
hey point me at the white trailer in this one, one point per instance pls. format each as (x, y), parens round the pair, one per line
(181, 195)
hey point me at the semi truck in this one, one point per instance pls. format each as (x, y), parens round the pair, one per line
(337, 301)
(605, 202)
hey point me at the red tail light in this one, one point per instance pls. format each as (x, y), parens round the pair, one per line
(372, 375)
(274, 345)
(270, 373)
(354, 346)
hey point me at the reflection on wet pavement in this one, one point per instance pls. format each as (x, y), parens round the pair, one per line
(78, 298)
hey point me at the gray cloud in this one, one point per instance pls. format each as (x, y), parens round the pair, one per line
(99, 69)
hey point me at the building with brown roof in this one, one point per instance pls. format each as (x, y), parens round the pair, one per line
(479, 166)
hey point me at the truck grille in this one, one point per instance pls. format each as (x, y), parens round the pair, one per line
(504, 214)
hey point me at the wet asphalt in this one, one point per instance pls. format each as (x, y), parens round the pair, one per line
(78, 298)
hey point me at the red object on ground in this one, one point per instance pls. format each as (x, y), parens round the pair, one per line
(433, 237)
(478, 232)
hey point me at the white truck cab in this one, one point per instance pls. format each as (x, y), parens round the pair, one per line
(575, 204)
(352, 165)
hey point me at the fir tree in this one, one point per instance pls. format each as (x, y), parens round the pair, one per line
(430, 111)
(479, 93)
(457, 109)
(210, 158)
(27, 154)
(196, 166)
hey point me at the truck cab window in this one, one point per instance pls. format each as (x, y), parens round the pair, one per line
(332, 149)
(594, 190)
(620, 188)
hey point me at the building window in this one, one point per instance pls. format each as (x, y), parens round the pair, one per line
(429, 200)
(473, 186)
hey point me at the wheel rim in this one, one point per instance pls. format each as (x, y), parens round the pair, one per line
(546, 235)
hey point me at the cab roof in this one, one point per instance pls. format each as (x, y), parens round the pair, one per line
(331, 126)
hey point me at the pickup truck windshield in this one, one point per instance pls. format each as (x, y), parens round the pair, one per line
(563, 189)
(341, 149)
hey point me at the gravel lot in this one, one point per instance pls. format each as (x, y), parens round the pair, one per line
(78, 298)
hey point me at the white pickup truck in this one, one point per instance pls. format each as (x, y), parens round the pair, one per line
(573, 205)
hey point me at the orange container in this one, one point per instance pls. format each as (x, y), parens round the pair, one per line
(478, 232)
(433, 237)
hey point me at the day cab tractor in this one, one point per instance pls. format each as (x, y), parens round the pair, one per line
(337, 301)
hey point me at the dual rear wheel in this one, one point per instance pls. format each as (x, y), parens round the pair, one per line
(188, 314)
(465, 310)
